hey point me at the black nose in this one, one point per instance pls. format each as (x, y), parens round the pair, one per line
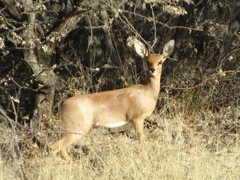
(152, 70)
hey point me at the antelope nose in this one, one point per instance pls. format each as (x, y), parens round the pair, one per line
(152, 70)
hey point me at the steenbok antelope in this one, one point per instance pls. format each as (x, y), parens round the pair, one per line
(113, 108)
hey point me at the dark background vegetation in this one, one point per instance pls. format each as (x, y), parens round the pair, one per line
(54, 49)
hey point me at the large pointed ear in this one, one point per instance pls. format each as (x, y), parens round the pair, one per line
(168, 48)
(138, 47)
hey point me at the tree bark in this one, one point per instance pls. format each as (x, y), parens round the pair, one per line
(43, 74)
(114, 58)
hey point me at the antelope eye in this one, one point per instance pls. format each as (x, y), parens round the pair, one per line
(148, 63)
(159, 62)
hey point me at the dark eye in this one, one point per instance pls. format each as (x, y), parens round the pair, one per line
(159, 62)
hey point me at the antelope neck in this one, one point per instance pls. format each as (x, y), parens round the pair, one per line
(153, 83)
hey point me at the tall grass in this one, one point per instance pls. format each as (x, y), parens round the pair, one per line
(170, 151)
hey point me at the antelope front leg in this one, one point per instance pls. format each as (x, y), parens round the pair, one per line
(138, 125)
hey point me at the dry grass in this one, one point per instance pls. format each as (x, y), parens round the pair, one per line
(171, 151)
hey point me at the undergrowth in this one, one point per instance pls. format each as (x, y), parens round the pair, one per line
(173, 149)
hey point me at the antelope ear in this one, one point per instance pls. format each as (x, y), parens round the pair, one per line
(138, 46)
(168, 48)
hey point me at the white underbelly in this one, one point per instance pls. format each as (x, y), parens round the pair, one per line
(113, 125)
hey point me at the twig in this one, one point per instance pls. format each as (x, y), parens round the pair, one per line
(14, 109)
(3, 112)
(154, 26)
(124, 19)
(90, 43)
(21, 167)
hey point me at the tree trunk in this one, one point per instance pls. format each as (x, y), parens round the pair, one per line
(42, 73)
